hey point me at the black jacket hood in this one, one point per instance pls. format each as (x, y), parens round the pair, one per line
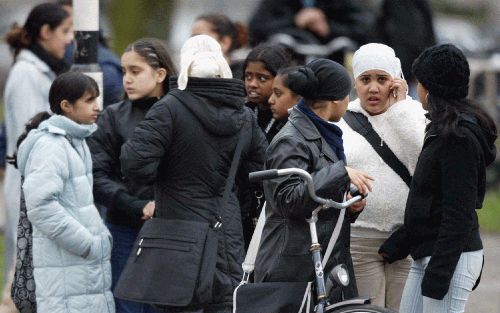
(217, 102)
(484, 136)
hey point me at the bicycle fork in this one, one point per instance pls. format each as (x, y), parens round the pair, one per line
(318, 266)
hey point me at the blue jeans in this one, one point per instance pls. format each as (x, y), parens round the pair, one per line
(464, 278)
(123, 241)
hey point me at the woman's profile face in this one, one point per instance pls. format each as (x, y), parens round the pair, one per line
(423, 95)
(281, 99)
(374, 88)
(54, 41)
(202, 27)
(339, 107)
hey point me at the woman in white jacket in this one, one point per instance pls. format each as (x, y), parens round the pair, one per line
(400, 122)
(38, 48)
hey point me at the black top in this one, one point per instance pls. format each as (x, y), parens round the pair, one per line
(123, 198)
(184, 147)
(269, 126)
(440, 218)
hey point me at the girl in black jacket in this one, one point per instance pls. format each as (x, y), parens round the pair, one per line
(184, 147)
(146, 67)
(259, 70)
(441, 230)
(308, 141)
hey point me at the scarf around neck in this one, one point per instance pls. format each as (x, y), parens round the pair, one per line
(58, 66)
(330, 132)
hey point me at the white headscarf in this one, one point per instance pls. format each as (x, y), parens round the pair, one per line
(376, 56)
(201, 56)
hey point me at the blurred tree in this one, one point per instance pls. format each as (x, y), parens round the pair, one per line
(133, 19)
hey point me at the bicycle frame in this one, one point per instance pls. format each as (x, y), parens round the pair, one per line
(322, 297)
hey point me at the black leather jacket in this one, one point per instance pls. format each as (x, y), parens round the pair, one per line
(284, 252)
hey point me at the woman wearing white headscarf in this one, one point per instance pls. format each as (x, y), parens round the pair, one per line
(399, 121)
(185, 146)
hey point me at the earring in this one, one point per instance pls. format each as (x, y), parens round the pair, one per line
(427, 97)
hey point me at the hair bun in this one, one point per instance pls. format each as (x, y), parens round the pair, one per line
(304, 82)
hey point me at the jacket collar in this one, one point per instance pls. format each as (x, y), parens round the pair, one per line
(28, 56)
(61, 125)
(307, 129)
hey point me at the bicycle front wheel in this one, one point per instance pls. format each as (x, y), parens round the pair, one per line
(365, 308)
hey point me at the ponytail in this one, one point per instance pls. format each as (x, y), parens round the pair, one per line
(17, 39)
(33, 123)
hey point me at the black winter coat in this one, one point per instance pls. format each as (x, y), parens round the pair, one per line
(185, 147)
(284, 251)
(346, 18)
(440, 217)
(123, 198)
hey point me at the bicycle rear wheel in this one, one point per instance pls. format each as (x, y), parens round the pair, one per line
(364, 308)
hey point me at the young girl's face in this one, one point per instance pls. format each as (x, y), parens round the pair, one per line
(140, 80)
(373, 89)
(85, 110)
(281, 99)
(258, 83)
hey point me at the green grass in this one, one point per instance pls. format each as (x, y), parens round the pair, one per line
(489, 215)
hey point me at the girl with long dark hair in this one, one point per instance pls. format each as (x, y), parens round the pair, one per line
(441, 230)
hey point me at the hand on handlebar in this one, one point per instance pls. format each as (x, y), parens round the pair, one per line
(360, 179)
(356, 207)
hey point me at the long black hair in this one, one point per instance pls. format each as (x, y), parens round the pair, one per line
(445, 115)
(69, 86)
(155, 55)
(51, 14)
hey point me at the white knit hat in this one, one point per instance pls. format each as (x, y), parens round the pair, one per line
(201, 56)
(376, 56)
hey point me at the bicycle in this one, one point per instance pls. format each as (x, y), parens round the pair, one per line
(339, 274)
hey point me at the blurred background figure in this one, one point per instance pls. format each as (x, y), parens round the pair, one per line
(230, 35)
(312, 22)
(406, 26)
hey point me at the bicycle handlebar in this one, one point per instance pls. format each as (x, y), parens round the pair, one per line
(275, 173)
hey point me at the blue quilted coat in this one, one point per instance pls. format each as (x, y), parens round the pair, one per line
(71, 245)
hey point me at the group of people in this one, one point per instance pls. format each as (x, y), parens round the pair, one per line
(165, 150)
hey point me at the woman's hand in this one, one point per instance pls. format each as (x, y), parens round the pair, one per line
(398, 90)
(148, 211)
(356, 207)
(360, 179)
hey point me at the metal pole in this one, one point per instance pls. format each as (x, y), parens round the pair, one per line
(86, 27)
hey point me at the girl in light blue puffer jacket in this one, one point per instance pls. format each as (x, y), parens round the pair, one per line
(71, 245)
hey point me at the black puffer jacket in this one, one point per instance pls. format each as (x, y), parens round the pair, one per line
(440, 217)
(284, 251)
(185, 146)
(123, 198)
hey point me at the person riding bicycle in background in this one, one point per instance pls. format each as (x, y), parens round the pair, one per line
(308, 141)
(312, 21)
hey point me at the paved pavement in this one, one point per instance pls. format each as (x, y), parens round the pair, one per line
(486, 298)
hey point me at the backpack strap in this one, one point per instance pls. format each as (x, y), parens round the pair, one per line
(360, 124)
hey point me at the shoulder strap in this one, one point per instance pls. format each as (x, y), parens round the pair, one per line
(234, 164)
(359, 123)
